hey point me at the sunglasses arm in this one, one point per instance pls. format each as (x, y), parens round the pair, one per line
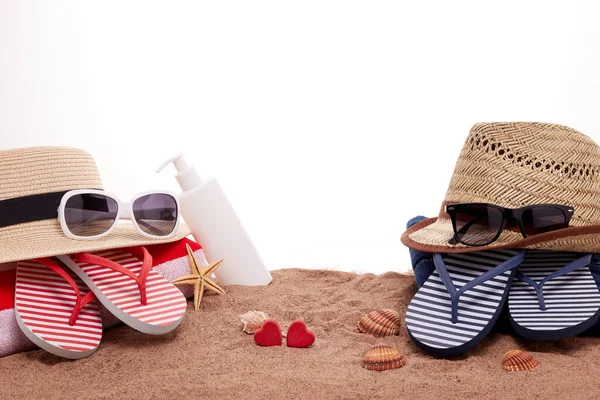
(150, 227)
(93, 219)
(464, 229)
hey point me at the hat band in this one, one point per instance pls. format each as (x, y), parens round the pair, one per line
(32, 208)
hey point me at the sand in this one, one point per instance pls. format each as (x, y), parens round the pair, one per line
(209, 356)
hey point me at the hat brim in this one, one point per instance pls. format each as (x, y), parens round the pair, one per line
(46, 239)
(432, 236)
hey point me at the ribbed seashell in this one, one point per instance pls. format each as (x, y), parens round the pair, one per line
(518, 360)
(379, 323)
(382, 357)
(253, 320)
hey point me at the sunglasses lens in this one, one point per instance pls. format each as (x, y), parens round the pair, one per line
(540, 219)
(156, 214)
(90, 214)
(478, 225)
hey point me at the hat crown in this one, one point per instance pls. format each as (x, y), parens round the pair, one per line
(35, 170)
(514, 164)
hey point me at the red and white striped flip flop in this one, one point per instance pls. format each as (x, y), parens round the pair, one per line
(55, 309)
(125, 284)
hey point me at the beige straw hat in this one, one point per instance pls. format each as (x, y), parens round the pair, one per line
(515, 164)
(44, 170)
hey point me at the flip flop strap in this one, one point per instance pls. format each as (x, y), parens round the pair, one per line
(455, 294)
(538, 287)
(139, 279)
(81, 301)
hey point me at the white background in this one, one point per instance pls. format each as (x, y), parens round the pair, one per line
(328, 123)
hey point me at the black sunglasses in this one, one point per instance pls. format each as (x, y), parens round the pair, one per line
(479, 224)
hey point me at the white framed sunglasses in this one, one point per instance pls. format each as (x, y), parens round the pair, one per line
(92, 214)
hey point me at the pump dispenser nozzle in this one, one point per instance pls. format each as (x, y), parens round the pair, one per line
(187, 176)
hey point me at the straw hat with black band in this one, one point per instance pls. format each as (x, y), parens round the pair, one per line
(32, 183)
(516, 164)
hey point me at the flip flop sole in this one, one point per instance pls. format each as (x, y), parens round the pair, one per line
(572, 300)
(165, 306)
(428, 318)
(44, 302)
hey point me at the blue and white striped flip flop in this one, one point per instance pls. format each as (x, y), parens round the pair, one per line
(553, 296)
(462, 299)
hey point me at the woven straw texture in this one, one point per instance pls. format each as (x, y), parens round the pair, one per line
(37, 170)
(514, 164)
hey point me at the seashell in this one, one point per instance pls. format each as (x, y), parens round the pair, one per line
(518, 360)
(379, 323)
(382, 357)
(253, 320)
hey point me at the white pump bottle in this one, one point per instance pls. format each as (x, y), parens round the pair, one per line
(217, 228)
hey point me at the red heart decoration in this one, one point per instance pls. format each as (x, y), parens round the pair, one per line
(269, 334)
(299, 335)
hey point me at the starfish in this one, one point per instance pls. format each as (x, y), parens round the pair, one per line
(200, 278)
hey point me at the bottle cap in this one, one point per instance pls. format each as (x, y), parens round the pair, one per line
(187, 176)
